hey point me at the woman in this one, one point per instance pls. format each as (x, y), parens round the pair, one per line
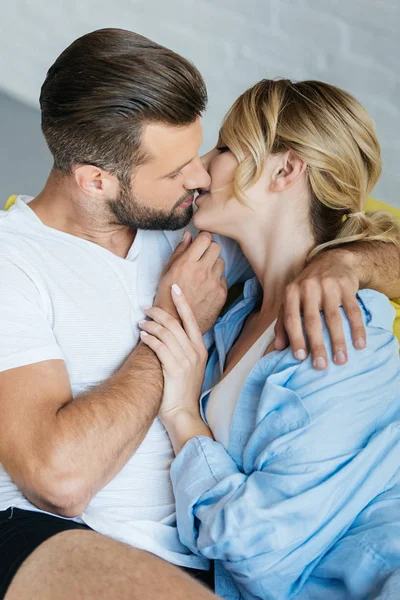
(290, 483)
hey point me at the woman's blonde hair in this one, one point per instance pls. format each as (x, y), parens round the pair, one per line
(333, 134)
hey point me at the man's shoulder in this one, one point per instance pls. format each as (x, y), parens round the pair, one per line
(14, 234)
(17, 242)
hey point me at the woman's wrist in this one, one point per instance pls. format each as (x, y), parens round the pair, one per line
(184, 425)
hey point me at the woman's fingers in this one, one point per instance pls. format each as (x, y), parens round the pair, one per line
(160, 316)
(186, 314)
(165, 336)
(164, 355)
(182, 341)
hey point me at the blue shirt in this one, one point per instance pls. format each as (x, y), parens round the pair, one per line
(305, 501)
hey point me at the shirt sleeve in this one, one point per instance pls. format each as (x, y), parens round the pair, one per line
(318, 453)
(25, 333)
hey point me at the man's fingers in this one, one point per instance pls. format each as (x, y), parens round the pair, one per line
(219, 267)
(292, 322)
(353, 313)
(180, 249)
(334, 322)
(313, 327)
(281, 338)
(212, 253)
(199, 245)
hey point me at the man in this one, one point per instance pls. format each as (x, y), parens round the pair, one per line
(84, 456)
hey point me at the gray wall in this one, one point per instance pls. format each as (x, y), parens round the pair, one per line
(351, 43)
(24, 158)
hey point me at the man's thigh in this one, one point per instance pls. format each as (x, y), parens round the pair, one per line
(79, 563)
(21, 533)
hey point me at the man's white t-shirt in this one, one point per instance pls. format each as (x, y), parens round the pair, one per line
(63, 297)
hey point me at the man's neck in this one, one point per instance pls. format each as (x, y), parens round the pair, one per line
(58, 206)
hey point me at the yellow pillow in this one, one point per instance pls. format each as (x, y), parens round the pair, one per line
(10, 202)
(371, 204)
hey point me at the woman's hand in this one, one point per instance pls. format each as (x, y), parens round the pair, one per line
(182, 354)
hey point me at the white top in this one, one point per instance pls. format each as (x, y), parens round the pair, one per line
(225, 395)
(63, 297)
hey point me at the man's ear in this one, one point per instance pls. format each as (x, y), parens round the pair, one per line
(289, 168)
(94, 181)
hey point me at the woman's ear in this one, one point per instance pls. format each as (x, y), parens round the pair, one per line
(288, 169)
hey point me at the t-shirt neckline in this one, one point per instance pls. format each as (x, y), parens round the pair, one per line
(21, 204)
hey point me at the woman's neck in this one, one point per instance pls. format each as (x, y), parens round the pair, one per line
(277, 254)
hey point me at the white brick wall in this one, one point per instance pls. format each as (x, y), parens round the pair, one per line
(351, 43)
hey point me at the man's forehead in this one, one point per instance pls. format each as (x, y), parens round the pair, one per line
(160, 138)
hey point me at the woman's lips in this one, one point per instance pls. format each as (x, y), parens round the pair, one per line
(200, 197)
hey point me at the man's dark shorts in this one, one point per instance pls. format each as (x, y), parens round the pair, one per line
(22, 531)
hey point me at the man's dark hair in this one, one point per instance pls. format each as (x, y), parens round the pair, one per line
(103, 88)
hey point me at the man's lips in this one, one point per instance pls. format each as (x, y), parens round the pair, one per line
(187, 203)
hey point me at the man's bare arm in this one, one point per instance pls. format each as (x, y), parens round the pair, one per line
(330, 281)
(61, 450)
(377, 265)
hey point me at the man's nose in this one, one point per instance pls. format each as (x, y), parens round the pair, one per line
(198, 176)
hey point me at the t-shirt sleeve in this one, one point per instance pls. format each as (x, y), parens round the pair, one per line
(26, 336)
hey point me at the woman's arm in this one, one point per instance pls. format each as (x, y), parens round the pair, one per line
(320, 452)
(184, 426)
(183, 356)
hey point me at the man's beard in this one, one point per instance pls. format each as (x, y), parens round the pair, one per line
(127, 211)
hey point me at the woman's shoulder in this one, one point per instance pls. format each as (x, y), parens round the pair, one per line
(379, 360)
(377, 309)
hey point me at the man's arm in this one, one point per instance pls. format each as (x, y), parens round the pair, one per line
(59, 450)
(332, 280)
(377, 265)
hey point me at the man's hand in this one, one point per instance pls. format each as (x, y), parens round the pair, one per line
(328, 282)
(197, 268)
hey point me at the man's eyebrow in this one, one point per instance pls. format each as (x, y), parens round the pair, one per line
(175, 171)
